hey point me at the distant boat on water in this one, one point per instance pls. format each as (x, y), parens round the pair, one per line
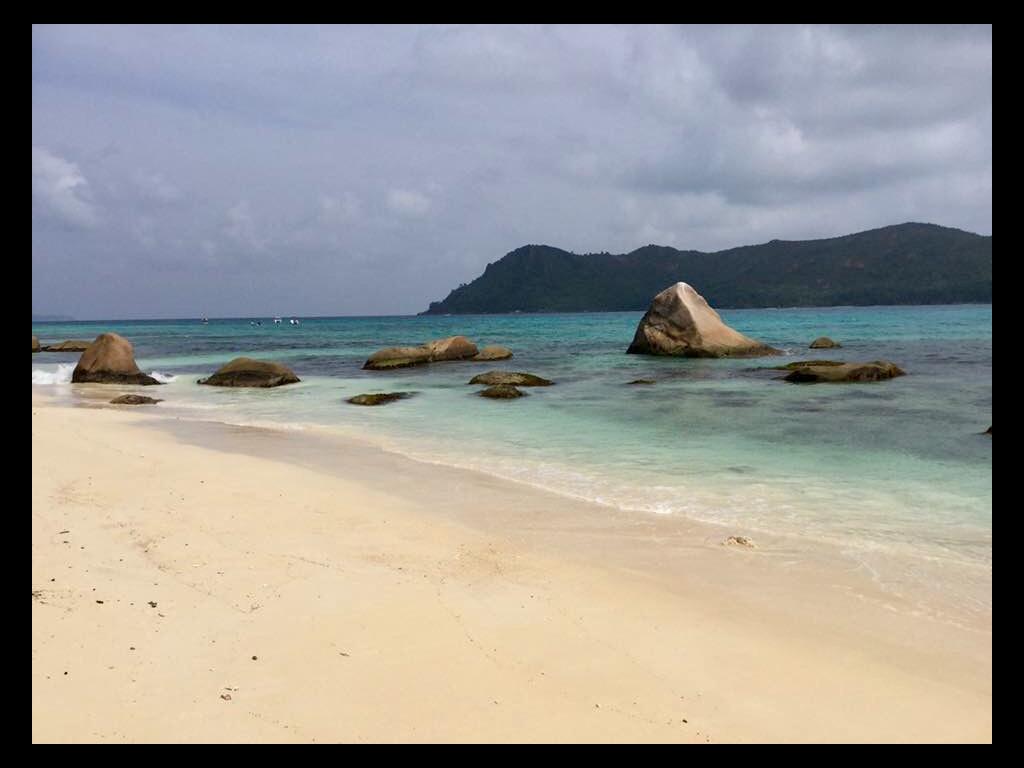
(277, 319)
(206, 321)
(293, 321)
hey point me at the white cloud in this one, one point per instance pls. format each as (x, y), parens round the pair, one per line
(409, 203)
(157, 187)
(61, 188)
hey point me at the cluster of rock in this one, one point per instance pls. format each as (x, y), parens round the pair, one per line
(451, 348)
(35, 344)
(680, 322)
(503, 385)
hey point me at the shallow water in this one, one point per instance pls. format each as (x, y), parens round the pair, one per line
(895, 473)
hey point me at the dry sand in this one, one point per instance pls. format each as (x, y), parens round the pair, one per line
(188, 593)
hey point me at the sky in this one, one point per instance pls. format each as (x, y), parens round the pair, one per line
(368, 170)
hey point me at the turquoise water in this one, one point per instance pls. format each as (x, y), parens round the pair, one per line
(890, 472)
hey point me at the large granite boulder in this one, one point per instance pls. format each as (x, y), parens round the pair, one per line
(110, 360)
(493, 352)
(72, 345)
(510, 378)
(813, 373)
(35, 344)
(246, 372)
(680, 322)
(451, 348)
(824, 342)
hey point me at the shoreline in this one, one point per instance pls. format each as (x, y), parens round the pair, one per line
(904, 581)
(589, 627)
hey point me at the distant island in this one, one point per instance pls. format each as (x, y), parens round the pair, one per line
(52, 318)
(902, 264)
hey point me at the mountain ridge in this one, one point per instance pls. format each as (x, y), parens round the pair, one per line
(910, 263)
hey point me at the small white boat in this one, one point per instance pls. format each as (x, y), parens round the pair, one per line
(277, 319)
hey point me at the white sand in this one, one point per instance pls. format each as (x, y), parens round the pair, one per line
(378, 613)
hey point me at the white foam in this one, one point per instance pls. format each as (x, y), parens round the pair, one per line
(163, 378)
(60, 376)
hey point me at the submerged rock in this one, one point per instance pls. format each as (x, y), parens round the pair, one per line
(877, 370)
(824, 342)
(804, 363)
(493, 352)
(501, 392)
(71, 345)
(642, 381)
(740, 541)
(135, 400)
(680, 322)
(246, 372)
(511, 378)
(379, 398)
(110, 360)
(35, 344)
(451, 348)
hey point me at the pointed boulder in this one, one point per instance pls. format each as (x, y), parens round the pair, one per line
(110, 359)
(680, 322)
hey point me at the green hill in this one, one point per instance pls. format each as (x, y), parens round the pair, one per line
(901, 264)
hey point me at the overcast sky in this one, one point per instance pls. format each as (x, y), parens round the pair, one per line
(254, 171)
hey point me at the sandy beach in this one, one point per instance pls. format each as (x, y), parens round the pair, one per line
(191, 584)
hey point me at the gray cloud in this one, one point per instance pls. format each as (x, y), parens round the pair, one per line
(366, 170)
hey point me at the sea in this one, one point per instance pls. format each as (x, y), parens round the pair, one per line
(894, 476)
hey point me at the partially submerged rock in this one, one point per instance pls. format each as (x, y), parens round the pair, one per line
(740, 541)
(493, 352)
(988, 431)
(804, 364)
(680, 322)
(511, 378)
(501, 392)
(876, 370)
(71, 345)
(824, 342)
(379, 398)
(246, 372)
(135, 400)
(451, 348)
(35, 344)
(642, 381)
(110, 360)
(397, 357)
